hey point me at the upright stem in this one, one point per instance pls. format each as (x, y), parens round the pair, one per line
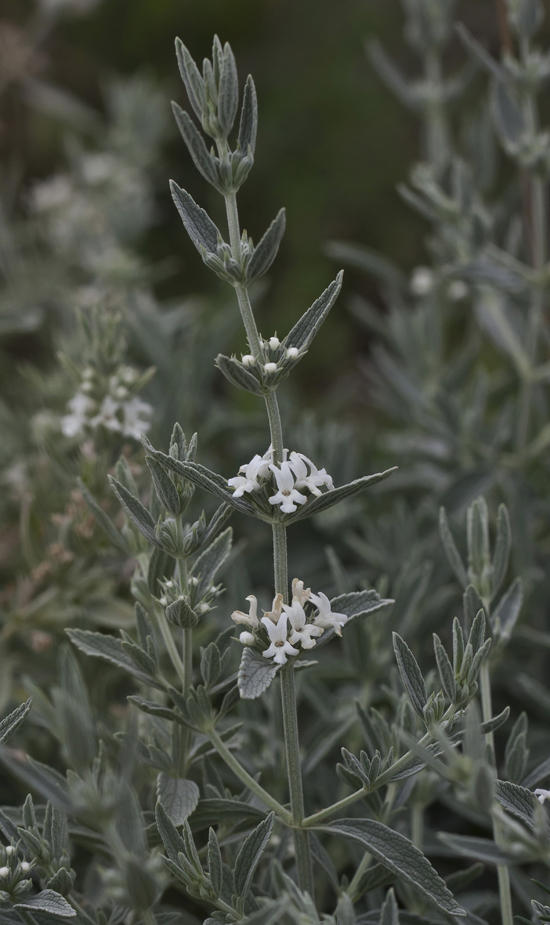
(294, 771)
(437, 133)
(504, 889)
(417, 825)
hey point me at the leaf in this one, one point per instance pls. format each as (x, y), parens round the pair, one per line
(165, 489)
(400, 856)
(490, 308)
(306, 328)
(482, 849)
(389, 914)
(12, 722)
(215, 864)
(445, 669)
(255, 674)
(177, 796)
(507, 611)
(198, 224)
(48, 901)
(135, 511)
(541, 771)
(99, 645)
(517, 800)
(266, 250)
(392, 77)
(249, 856)
(357, 603)
(196, 146)
(330, 498)
(37, 776)
(204, 478)
(190, 74)
(104, 522)
(249, 118)
(507, 112)
(161, 565)
(363, 258)
(228, 97)
(171, 839)
(453, 555)
(411, 675)
(479, 53)
(211, 560)
(237, 374)
(215, 811)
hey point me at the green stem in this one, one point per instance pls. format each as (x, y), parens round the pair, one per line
(171, 647)
(280, 560)
(437, 133)
(294, 772)
(275, 426)
(324, 814)
(417, 825)
(504, 889)
(246, 778)
(353, 889)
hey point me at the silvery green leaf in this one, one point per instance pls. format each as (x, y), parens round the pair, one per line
(306, 328)
(453, 555)
(249, 856)
(211, 560)
(205, 478)
(136, 512)
(506, 613)
(377, 875)
(507, 112)
(255, 674)
(237, 374)
(216, 811)
(210, 665)
(190, 74)
(445, 668)
(48, 901)
(411, 675)
(482, 849)
(479, 53)
(478, 539)
(517, 800)
(181, 614)
(329, 498)
(323, 859)
(166, 491)
(171, 839)
(100, 645)
(249, 118)
(105, 522)
(266, 250)
(389, 914)
(503, 545)
(358, 603)
(196, 146)
(392, 76)
(490, 308)
(198, 224)
(496, 722)
(516, 753)
(177, 796)
(12, 722)
(458, 880)
(483, 785)
(228, 96)
(215, 866)
(471, 604)
(400, 856)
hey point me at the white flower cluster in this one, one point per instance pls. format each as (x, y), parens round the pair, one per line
(274, 345)
(294, 475)
(288, 625)
(117, 411)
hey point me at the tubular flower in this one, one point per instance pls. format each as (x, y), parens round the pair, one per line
(250, 618)
(287, 496)
(302, 630)
(276, 609)
(280, 646)
(257, 468)
(299, 593)
(326, 618)
(316, 478)
(542, 795)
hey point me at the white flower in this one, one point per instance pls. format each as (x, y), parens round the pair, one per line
(542, 795)
(287, 496)
(303, 631)
(458, 290)
(292, 352)
(276, 609)
(326, 618)
(246, 638)
(274, 342)
(4, 871)
(72, 425)
(257, 468)
(25, 866)
(136, 414)
(422, 281)
(248, 360)
(108, 415)
(250, 618)
(315, 478)
(280, 646)
(270, 367)
(299, 593)
(9, 850)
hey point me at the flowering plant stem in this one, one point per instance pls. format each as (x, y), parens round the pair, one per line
(280, 567)
(502, 871)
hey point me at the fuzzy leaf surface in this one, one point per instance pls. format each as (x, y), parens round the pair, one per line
(48, 901)
(179, 797)
(249, 856)
(12, 722)
(255, 674)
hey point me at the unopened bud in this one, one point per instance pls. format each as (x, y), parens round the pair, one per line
(247, 639)
(270, 367)
(248, 360)
(4, 871)
(292, 353)
(274, 342)
(25, 866)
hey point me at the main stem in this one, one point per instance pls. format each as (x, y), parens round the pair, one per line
(280, 567)
(504, 889)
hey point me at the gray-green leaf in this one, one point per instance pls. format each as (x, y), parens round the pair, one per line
(179, 797)
(12, 722)
(48, 901)
(267, 247)
(255, 674)
(249, 856)
(198, 224)
(411, 675)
